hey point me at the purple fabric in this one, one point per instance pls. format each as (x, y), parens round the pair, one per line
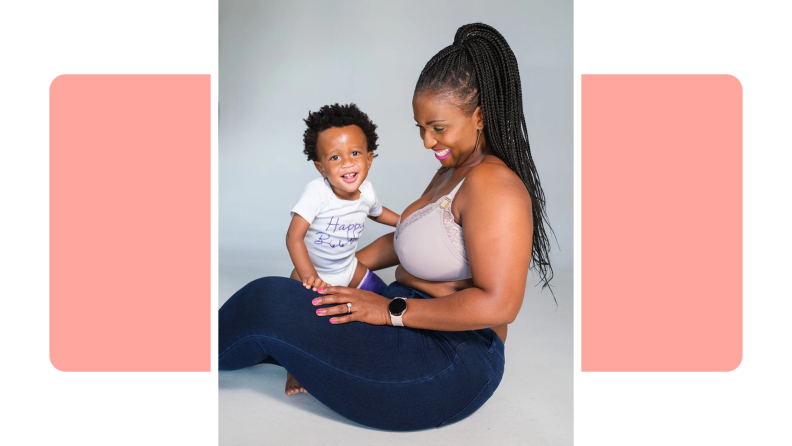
(372, 282)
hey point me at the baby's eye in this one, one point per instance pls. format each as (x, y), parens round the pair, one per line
(355, 153)
(334, 158)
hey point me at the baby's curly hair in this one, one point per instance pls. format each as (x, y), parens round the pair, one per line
(337, 116)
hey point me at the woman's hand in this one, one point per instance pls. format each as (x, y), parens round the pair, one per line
(367, 307)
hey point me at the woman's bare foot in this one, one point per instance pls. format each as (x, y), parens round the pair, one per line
(292, 386)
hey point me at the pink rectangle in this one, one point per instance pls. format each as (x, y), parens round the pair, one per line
(661, 223)
(130, 219)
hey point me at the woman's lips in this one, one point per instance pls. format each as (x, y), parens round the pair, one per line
(350, 177)
(442, 154)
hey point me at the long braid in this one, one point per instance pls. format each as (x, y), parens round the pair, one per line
(480, 69)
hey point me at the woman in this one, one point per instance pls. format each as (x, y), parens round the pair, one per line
(431, 351)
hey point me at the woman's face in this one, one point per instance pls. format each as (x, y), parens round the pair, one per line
(444, 128)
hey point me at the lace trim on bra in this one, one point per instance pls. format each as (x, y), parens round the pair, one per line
(414, 217)
(454, 232)
(452, 229)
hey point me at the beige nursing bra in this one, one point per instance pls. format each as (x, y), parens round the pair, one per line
(429, 243)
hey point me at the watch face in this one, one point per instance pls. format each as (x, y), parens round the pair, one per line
(397, 306)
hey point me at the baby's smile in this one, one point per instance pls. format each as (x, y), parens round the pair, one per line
(350, 177)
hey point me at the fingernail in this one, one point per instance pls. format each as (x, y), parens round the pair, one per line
(319, 311)
(315, 301)
(320, 290)
(332, 320)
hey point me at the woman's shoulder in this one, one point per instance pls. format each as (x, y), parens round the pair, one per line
(492, 179)
(495, 172)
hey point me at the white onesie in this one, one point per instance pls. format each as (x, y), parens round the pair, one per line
(336, 225)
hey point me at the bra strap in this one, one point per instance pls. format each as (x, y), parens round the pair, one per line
(453, 192)
(450, 197)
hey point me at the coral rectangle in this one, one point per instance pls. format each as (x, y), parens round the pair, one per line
(130, 235)
(661, 234)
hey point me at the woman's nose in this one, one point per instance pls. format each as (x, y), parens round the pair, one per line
(428, 141)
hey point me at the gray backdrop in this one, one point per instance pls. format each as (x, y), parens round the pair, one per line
(278, 60)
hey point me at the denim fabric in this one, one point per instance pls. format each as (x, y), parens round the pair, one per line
(393, 378)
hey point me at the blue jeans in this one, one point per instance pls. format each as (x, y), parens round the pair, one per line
(393, 378)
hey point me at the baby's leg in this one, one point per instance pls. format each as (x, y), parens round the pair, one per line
(360, 272)
(368, 281)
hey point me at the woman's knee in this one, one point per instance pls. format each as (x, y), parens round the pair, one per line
(260, 291)
(267, 304)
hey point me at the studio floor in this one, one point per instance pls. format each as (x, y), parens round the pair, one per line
(532, 406)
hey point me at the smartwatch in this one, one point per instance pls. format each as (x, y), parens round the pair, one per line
(397, 307)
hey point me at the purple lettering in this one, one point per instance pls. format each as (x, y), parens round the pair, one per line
(333, 224)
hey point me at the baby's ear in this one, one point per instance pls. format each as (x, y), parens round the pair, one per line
(369, 157)
(319, 167)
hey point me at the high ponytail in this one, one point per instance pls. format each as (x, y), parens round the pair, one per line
(479, 69)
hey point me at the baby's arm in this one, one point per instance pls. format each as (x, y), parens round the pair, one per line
(295, 243)
(387, 217)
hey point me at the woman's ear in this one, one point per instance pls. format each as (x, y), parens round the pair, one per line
(478, 116)
(319, 167)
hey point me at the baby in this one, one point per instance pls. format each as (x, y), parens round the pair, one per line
(330, 216)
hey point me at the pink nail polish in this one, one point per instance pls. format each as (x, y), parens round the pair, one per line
(332, 320)
(319, 311)
(315, 301)
(320, 290)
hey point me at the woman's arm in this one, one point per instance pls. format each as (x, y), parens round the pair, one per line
(379, 254)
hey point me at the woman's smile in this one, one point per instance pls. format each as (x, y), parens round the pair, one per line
(442, 154)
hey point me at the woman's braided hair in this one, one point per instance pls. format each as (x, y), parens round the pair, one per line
(479, 69)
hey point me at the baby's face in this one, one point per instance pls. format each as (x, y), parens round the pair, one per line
(343, 159)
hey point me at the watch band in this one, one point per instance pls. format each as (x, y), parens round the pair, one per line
(396, 319)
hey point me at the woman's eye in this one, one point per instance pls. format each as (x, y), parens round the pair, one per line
(439, 129)
(334, 158)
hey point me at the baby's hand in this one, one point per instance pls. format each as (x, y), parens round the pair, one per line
(314, 283)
